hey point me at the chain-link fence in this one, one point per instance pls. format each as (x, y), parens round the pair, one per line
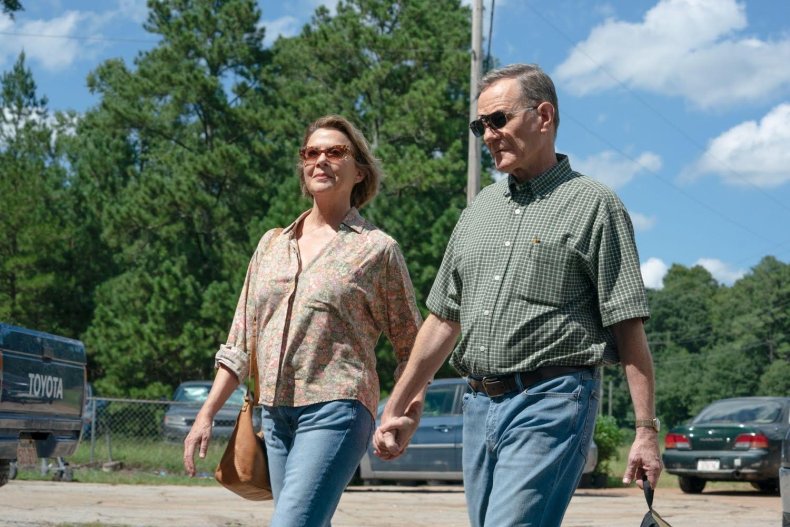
(125, 433)
(112, 423)
(109, 419)
(134, 435)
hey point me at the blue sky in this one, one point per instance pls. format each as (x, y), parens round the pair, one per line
(681, 106)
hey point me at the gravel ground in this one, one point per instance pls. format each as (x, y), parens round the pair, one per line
(48, 504)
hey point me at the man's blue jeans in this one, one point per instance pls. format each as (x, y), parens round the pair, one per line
(313, 452)
(523, 452)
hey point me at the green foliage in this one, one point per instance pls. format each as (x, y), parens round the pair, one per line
(681, 311)
(43, 275)
(608, 437)
(775, 380)
(189, 177)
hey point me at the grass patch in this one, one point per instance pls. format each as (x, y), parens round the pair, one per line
(144, 462)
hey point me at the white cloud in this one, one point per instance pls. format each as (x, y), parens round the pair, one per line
(614, 169)
(135, 10)
(56, 43)
(686, 48)
(286, 26)
(751, 153)
(653, 272)
(721, 271)
(642, 222)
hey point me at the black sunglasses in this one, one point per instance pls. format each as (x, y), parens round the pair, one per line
(495, 120)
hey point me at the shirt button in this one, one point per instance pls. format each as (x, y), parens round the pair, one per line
(486, 312)
(507, 244)
(517, 211)
(482, 348)
(497, 278)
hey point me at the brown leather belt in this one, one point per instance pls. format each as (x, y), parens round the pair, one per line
(496, 385)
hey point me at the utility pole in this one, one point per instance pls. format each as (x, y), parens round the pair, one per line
(473, 170)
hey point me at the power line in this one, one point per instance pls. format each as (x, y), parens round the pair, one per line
(487, 63)
(78, 37)
(664, 118)
(669, 183)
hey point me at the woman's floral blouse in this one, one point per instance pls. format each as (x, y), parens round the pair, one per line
(315, 329)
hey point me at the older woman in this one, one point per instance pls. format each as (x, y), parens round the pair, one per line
(317, 296)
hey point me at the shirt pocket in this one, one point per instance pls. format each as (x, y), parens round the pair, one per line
(549, 274)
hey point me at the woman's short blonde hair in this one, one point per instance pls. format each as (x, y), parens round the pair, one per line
(364, 191)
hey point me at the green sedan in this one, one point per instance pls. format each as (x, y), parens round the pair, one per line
(736, 439)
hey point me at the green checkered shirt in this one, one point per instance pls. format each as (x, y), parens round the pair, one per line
(537, 272)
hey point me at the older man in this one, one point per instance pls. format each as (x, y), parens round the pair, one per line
(541, 281)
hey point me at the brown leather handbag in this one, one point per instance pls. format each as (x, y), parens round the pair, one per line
(243, 468)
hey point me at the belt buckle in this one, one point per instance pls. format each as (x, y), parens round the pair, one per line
(491, 384)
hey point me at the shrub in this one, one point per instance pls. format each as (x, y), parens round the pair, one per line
(608, 437)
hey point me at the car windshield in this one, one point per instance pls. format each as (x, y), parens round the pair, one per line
(198, 393)
(754, 412)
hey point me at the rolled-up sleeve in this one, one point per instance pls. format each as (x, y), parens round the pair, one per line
(403, 318)
(235, 353)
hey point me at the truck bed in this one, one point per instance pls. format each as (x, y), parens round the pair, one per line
(42, 391)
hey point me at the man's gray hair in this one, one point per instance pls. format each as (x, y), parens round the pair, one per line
(536, 85)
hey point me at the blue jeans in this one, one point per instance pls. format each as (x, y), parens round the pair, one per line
(524, 452)
(313, 452)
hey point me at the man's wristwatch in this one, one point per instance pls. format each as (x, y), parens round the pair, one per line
(653, 423)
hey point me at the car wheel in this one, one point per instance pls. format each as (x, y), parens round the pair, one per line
(691, 485)
(5, 471)
(68, 474)
(769, 486)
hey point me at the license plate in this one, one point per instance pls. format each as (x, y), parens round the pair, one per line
(707, 464)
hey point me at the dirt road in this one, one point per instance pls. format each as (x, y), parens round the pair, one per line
(48, 504)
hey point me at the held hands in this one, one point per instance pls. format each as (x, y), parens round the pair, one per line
(199, 434)
(393, 435)
(644, 458)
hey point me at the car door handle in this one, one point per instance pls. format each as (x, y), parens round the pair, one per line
(442, 428)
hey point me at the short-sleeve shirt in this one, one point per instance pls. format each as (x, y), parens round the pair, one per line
(315, 329)
(537, 272)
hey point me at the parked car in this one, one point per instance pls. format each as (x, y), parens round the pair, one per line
(784, 480)
(434, 453)
(187, 400)
(737, 439)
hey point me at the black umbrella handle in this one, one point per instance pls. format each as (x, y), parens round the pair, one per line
(648, 491)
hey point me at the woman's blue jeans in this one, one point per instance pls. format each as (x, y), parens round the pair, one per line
(313, 452)
(524, 452)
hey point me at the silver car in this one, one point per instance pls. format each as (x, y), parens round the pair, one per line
(434, 453)
(187, 400)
